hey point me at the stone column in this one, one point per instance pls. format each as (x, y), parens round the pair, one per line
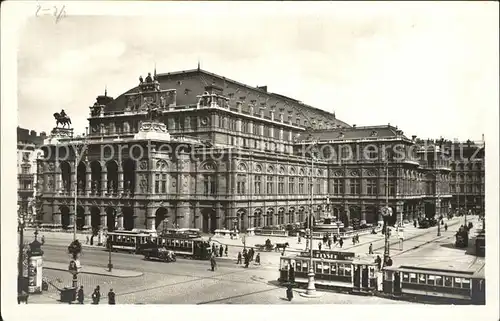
(399, 212)
(104, 220)
(88, 224)
(272, 113)
(88, 181)
(56, 217)
(104, 183)
(182, 214)
(363, 214)
(120, 180)
(58, 181)
(72, 217)
(219, 214)
(347, 213)
(150, 218)
(119, 218)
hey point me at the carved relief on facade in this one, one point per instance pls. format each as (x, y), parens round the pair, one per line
(161, 165)
(143, 165)
(51, 166)
(370, 172)
(282, 170)
(242, 167)
(50, 183)
(354, 173)
(292, 171)
(302, 172)
(208, 166)
(143, 183)
(270, 169)
(338, 173)
(258, 168)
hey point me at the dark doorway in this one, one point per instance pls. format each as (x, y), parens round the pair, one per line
(209, 224)
(66, 176)
(111, 219)
(95, 218)
(80, 218)
(65, 220)
(112, 176)
(128, 219)
(129, 175)
(161, 219)
(82, 177)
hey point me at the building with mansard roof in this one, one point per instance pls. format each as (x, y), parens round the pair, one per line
(194, 149)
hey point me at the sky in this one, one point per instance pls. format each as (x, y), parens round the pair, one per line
(430, 69)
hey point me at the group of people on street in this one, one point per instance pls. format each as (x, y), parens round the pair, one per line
(96, 296)
(219, 250)
(247, 257)
(332, 240)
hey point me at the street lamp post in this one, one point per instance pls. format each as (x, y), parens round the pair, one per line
(21, 252)
(386, 213)
(311, 288)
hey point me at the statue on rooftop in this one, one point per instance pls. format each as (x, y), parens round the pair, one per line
(141, 80)
(148, 78)
(62, 118)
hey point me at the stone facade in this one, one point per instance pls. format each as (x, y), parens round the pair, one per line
(193, 149)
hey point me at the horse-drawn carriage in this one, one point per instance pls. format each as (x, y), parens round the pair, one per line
(268, 247)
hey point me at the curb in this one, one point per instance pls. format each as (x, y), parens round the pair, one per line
(97, 273)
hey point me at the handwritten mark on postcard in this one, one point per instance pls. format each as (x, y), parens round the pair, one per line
(57, 12)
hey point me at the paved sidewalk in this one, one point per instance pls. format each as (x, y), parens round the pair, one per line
(89, 269)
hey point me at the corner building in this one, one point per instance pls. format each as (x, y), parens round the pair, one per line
(241, 160)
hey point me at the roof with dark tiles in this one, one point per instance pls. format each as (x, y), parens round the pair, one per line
(352, 133)
(191, 83)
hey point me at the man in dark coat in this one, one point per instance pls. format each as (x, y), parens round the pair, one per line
(221, 251)
(247, 260)
(378, 260)
(213, 264)
(96, 296)
(341, 242)
(226, 250)
(111, 297)
(239, 258)
(80, 296)
(291, 274)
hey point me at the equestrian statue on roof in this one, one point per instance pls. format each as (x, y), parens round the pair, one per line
(62, 118)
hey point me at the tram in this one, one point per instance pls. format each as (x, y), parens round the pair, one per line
(480, 244)
(344, 275)
(183, 242)
(435, 285)
(330, 254)
(128, 241)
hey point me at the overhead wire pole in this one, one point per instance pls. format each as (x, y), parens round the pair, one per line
(311, 288)
(386, 214)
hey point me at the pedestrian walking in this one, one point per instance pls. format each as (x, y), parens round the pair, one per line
(354, 240)
(445, 227)
(389, 262)
(335, 239)
(319, 245)
(341, 242)
(378, 260)
(370, 249)
(213, 263)
(92, 240)
(239, 258)
(226, 250)
(330, 244)
(87, 242)
(111, 297)
(213, 248)
(247, 260)
(415, 223)
(291, 274)
(221, 251)
(357, 238)
(96, 295)
(257, 259)
(251, 254)
(298, 238)
(289, 292)
(79, 296)
(43, 239)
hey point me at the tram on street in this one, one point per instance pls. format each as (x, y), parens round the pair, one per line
(330, 254)
(480, 244)
(128, 241)
(345, 275)
(435, 285)
(183, 242)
